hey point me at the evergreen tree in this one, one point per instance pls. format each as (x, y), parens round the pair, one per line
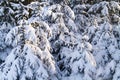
(28, 61)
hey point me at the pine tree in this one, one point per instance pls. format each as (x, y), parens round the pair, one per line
(6, 23)
(106, 42)
(28, 61)
(77, 59)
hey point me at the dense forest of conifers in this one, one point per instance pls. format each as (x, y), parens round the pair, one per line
(59, 40)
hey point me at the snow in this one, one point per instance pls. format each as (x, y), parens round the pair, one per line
(72, 25)
(49, 40)
(30, 34)
(117, 73)
(94, 8)
(105, 11)
(73, 77)
(69, 12)
(1, 11)
(115, 5)
(90, 58)
(116, 55)
(10, 35)
(109, 68)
